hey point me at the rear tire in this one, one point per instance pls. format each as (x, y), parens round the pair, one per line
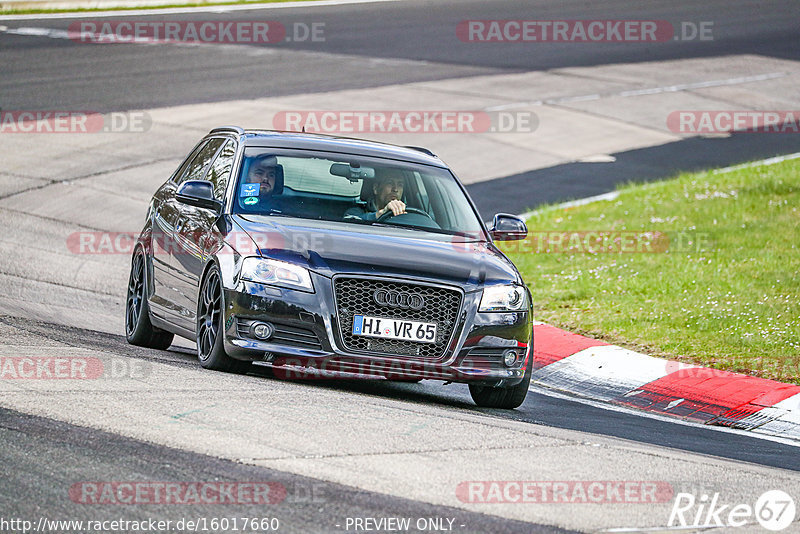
(138, 328)
(500, 397)
(210, 328)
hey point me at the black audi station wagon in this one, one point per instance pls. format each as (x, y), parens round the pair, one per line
(338, 256)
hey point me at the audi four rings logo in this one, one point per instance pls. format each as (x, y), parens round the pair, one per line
(398, 299)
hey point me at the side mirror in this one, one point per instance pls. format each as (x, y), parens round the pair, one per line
(198, 193)
(508, 228)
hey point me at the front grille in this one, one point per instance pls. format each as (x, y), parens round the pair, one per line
(284, 335)
(354, 296)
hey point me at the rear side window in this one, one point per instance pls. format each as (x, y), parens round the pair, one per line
(185, 163)
(197, 167)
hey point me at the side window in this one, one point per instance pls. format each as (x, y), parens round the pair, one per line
(185, 164)
(220, 171)
(195, 169)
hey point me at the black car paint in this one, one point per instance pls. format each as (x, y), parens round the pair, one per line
(198, 238)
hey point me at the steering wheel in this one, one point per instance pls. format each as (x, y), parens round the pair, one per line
(389, 213)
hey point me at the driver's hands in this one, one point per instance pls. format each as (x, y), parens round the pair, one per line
(396, 206)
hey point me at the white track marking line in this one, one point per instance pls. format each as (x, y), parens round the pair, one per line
(243, 48)
(572, 203)
(614, 194)
(543, 390)
(41, 32)
(693, 528)
(182, 10)
(768, 161)
(607, 371)
(640, 92)
(787, 420)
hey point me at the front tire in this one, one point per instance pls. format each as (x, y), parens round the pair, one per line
(138, 328)
(210, 329)
(500, 397)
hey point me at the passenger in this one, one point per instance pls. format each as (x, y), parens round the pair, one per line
(387, 195)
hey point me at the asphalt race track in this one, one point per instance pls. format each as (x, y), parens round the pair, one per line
(361, 50)
(344, 450)
(395, 42)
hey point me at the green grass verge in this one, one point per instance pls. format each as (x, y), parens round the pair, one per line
(726, 291)
(166, 6)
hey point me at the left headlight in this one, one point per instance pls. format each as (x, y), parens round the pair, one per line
(276, 273)
(504, 298)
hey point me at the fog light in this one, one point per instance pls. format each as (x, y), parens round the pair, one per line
(262, 330)
(509, 358)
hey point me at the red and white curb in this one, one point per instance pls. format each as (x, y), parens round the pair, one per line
(596, 370)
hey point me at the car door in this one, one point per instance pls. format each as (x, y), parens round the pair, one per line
(171, 240)
(165, 214)
(196, 226)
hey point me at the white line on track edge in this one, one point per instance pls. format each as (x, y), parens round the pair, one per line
(612, 195)
(181, 10)
(544, 390)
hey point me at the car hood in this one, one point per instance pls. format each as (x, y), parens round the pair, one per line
(331, 247)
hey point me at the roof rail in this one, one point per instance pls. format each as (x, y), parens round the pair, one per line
(228, 129)
(421, 149)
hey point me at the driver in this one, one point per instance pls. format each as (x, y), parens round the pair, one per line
(387, 192)
(264, 172)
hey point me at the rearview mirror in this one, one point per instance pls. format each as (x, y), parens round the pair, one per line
(508, 228)
(198, 193)
(352, 171)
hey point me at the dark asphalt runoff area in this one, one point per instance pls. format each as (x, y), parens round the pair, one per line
(55, 464)
(416, 39)
(526, 191)
(371, 45)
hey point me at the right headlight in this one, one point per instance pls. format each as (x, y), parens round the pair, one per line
(503, 298)
(276, 273)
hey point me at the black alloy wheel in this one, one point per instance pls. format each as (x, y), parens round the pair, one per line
(210, 347)
(138, 328)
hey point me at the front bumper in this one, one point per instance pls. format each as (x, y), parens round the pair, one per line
(307, 341)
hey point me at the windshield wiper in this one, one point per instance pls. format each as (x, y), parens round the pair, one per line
(424, 229)
(277, 213)
(387, 225)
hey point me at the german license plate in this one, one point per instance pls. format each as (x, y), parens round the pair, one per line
(364, 325)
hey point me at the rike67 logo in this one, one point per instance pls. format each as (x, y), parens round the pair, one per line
(774, 510)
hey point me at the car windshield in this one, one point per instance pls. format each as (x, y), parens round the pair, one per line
(353, 189)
